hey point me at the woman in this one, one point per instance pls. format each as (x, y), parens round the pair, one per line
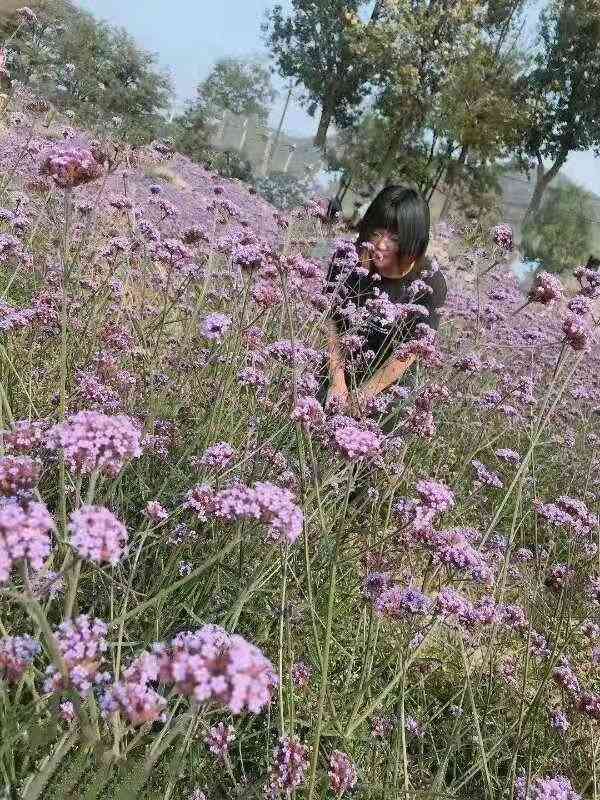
(392, 242)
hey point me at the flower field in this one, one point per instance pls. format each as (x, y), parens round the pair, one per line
(213, 587)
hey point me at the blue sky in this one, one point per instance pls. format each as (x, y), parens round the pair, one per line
(189, 35)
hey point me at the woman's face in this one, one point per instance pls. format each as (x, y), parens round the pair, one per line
(385, 255)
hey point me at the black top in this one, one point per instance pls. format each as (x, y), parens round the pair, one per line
(425, 287)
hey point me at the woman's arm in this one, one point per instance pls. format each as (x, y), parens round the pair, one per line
(337, 376)
(386, 375)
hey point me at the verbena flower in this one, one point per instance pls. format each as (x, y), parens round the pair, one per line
(25, 436)
(352, 440)
(546, 289)
(82, 644)
(216, 457)
(215, 326)
(18, 474)
(301, 674)
(94, 441)
(401, 602)
(97, 535)
(435, 496)
(383, 727)
(70, 167)
(25, 535)
(502, 235)
(219, 739)
(577, 333)
(309, 412)
(342, 773)
(138, 702)
(213, 665)
(559, 721)
(16, 654)
(486, 476)
(555, 787)
(288, 769)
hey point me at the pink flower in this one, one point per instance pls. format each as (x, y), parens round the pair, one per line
(94, 441)
(16, 654)
(289, 767)
(82, 643)
(18, 474)
(24, 536)
(156, 512)
(216, 457)
(97, 535)
(309, 412)
(70, 167)
(355, 441)
(546, 289)
(301, 674)
(342, 773)
(215, 326)
(503, 236)
(219, 739)
(137, 701)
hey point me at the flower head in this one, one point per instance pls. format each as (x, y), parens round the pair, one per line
(24, 536)
(215, 326)
(97, 535)
(546, 289)
(502, 235)
(82, 643)
(400, 603)
(16, 654)
(288, 770)
(18, 474)
(342, 773)
(70, 167)
(94, 441)
(219, 739)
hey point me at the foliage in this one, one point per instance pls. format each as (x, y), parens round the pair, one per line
(284, 190)
(240, 86)
(312, 46)
(560, 236)
(90, 68)
(562, 91)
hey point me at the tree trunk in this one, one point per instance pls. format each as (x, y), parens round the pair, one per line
(542, 182)
(320, 139)
(454, 167)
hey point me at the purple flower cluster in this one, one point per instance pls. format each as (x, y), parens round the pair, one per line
(301, 674)
(97, 535)
(569, 512)
(138, 702)
(94, 441)
(555, 787)
(435, 496)
(217, 457)
(24, 536)
(342, 773)
(25, 436)
(18, 474)
(70, 167)
(82, 643)
(308, 412)
(546, 289)
(383, 727)
(265, 502)
(215, 326)
(156, 512)
(353, 439)
(219, 739)
(486, 476)
(288, 770)
(213, 665)
(399, 603)
(502, 235)
(16, 654)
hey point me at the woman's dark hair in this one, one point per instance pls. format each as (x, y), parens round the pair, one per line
(404, 213)
(593, 263)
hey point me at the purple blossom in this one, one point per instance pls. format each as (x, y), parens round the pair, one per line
(18, 474)
(25, 436)
(138, 702)
(70, 167)
(375, 583)
(507, 455)
(301, 674)
(559, 721)
(82, 643)
(156, 512)
(564, 676)
(94, 441)
(217, 457)
(24, 536)
(399, 602)
(546, 289)
(212, 665)
(353, 440)
(568, 512)
(215, 326)
(485, 476)
(288, 770)
(219, 739)
(589, 280)
(342, 773)
(577, 333)
(279, 511)
(435, 496)
(16, 654)
(413, 727)
(555, 787)
(502, 235)
(97, 535)
(309, 412)
(383, 727)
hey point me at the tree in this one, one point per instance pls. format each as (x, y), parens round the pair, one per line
(562, 91)
(560, 236)
(237, 85)
(313, 46)
(89, 67)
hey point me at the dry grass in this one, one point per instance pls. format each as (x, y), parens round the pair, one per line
(160, 172)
